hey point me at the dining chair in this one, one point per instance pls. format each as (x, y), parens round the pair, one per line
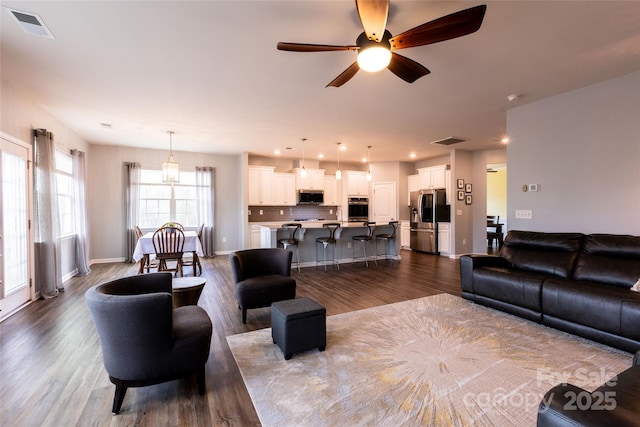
(168, 243)
(494, 231)
(148, 261)
(173, 225)
(192, 258)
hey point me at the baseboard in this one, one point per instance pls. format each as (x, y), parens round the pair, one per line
(106, 260)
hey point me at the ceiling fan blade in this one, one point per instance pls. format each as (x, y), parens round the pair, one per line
(345, 76)
(373, 17)
(405, 68)
(448, 27)
(304, 47)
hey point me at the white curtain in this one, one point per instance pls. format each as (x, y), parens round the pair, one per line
(48, 272)
(132, 175)
(205, 198)
(82, 229)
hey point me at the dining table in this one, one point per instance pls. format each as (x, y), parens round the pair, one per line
(144, 246)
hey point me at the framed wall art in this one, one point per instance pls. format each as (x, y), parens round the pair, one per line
(460, 183)
(468, 200)
(467, 188)
(460, 195)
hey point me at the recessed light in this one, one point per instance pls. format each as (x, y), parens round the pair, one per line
(412, 155)
(321, 156)
(513, 97)
(276, 152)
(106, 125)
(505, 140)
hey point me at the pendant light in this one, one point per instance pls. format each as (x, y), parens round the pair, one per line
(303, 171)
(170, 168)
(368, 164)
(338, 172)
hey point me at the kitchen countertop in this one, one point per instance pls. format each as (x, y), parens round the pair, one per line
(313, 224)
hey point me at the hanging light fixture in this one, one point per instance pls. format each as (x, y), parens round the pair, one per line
(368, 164)
(170, 168)
(338, 172)
(303, 171)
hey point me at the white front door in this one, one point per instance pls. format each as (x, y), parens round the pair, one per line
(385, 202)
(16, 243)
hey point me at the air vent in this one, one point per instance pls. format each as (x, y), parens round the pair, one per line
(447, 141)
(31, 23)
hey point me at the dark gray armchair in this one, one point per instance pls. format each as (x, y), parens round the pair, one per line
(262, 276)
(144, 339)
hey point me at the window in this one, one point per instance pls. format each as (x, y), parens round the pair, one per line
(64, 184)
(160, 202)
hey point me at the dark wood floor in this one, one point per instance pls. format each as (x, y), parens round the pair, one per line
(50, 360)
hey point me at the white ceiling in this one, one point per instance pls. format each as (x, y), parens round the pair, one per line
(210, 71)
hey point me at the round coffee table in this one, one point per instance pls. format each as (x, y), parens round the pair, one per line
(187, 290)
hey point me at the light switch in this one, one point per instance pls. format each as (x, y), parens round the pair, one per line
(524, 214)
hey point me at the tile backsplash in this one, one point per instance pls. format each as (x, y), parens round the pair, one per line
(292, 213)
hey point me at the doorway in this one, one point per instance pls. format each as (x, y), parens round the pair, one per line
(385, 202)
(16, 242)
(497, 197)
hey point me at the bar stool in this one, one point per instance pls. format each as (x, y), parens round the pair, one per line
(291, 228)
(388, 238)
(364, 238)
(332, 239)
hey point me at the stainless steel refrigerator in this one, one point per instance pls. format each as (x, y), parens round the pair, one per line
(428, 208)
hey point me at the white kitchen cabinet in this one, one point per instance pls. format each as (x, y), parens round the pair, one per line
(357, 184)
(284, 189)
(330, 191)
(260, 185)
(412, 185)
(447, 185)
(405, 234)
(313, 181)
(444, 238)
(255, 237)
(432, 177)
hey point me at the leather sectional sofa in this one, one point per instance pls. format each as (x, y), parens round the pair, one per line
(614, 403)
(570, 281)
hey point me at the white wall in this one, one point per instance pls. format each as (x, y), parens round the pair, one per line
(106, 195)
(583, 149)
(20, 114)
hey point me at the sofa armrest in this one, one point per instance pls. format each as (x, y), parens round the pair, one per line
(468, 263)
(563, 405)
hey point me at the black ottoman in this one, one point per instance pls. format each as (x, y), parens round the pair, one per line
(298, 325)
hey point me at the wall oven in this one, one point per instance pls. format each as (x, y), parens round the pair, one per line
(358, 209)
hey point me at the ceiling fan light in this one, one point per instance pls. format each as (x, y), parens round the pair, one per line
(374, 59)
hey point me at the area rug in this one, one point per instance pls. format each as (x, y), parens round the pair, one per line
(438, 360)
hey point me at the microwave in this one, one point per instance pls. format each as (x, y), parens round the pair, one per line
(310, 197)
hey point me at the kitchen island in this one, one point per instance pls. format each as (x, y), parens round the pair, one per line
(270, 232)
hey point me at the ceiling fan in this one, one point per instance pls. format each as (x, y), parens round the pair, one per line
(377, 40)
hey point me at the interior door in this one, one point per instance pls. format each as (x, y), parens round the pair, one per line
(385, 202)
(16, 242)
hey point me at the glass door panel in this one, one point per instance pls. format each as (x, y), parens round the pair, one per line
(14, 227)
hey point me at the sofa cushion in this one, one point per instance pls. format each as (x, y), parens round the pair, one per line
(606, 308)
(549, 253)
(610, 259)
(517, 287)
